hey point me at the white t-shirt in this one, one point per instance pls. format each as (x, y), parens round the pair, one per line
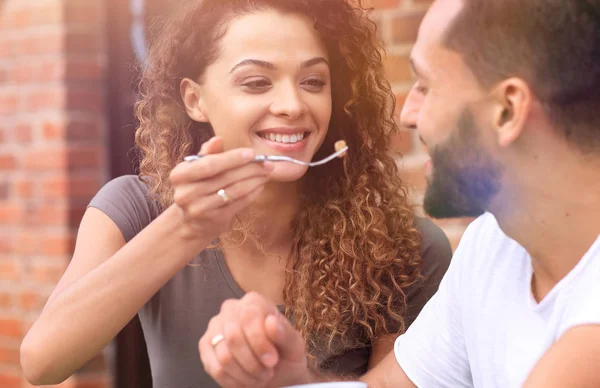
(483, 328)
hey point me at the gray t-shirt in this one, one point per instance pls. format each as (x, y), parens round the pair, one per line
(175, 318)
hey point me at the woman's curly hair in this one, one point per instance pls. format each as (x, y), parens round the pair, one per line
(356, 249)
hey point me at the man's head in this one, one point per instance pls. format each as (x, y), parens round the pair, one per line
(499, 85)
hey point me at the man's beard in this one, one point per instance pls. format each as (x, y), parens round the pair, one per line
(464, 178)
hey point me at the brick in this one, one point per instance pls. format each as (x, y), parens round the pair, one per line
(8, 104)
(23, 188)
(38, 72)
(85, 157)
(9, 380)
(402, 142)
(6, 302)
(7, 162)
(23, 134)
(87, 13)
(8, 47)
(405, 27)
(70, 186)
(11, 213)
(82, 42)
(45, 14)
(25, 243)
(51, 99)
(51, 42)
(9, 356)
(414, 177)
(46, 159)
(31, 301)
(15, 19)
(9, 270)
(58, 245)
(90, 101)
(46, 274)
(47, 215)
(4, 189)
(80, 130)
(76, 214)
(11, 327)
(5, 245)
(61, 158)
(397, 68)
(72, 130)
(83, 69)
(382, 4)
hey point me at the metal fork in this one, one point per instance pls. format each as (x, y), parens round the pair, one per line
(281, 158)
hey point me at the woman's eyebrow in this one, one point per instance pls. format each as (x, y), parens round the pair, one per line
(268, 65)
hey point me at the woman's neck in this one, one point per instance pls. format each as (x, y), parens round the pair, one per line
(270, 217)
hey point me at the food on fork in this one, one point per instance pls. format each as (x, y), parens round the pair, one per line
(339, 145)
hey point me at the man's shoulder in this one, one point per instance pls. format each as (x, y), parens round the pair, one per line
(483, 243)
(481, 231)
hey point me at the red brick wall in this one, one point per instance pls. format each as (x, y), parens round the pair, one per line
(52, 157)
(398, 22)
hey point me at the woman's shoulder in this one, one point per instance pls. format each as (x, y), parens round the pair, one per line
(436, 253)
(436, 250)
(127, 201)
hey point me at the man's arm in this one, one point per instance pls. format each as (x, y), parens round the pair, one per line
(573, 361)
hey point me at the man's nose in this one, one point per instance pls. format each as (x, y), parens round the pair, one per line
(410, 110)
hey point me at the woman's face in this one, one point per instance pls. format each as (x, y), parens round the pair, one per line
(269, 89)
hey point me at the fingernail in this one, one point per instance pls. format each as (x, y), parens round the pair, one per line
(269, 166)
(268, 359)
(247, 155)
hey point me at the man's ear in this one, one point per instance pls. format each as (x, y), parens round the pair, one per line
(513, 101)
(191, 94)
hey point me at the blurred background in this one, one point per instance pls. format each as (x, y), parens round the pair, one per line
(66, 127)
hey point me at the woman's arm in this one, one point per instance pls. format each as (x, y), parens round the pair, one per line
(105, 285)
(108, 281)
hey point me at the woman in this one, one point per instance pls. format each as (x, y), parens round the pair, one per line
(337, 245)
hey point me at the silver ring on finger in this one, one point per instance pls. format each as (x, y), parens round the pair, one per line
(217, 339)
(223, 194)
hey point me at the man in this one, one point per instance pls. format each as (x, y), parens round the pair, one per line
(507, 101)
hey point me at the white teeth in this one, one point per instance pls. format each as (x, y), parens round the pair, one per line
(294, 138)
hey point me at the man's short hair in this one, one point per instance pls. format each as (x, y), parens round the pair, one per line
(553, 45)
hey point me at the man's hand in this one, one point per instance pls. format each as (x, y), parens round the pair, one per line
(251, 344)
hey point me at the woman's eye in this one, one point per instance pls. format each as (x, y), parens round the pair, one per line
(258, 84)
(315, 83)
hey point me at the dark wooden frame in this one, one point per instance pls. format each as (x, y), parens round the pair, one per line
(132, 366)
